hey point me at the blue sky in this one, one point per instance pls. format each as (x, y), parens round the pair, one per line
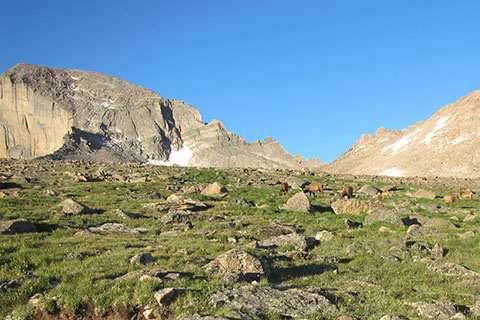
(314, 75)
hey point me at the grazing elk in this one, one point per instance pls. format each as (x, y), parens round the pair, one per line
(383, 194)
(283, 189)
(347, 192)
(314, 187)
(449, 198)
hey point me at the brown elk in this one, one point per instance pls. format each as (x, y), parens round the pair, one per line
(314, 187)
(283, 189)
(449, 199)
(383, 194)
(467, 195)
(347, 192)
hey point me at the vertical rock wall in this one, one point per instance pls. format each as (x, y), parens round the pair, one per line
(31, 125)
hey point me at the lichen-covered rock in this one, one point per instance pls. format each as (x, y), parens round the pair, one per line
(116, 228)
(439, 310)
(451, 269)
(267, 300)
(142, 258)
(353, 206)
(383, 215)
(72, 207)
(299, 202)
(238, 265)
(17, 226)
(215, 188)
(369, 190)
(298, 241)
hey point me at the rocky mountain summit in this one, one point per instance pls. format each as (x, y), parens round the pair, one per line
(74, 114)
(445, 145)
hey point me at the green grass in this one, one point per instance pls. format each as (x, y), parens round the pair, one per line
(364, 285)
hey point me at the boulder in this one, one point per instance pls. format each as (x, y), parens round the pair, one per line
(72, 207)
(299, 202)
(238, 265)
(439, 310)
(124, 214)
(424, 194)
(215, 188)
(369, 190)
(116, 228)
(296, 183)
(433, 222)
(451, 269)
(17, 226)
(289, 303)
(142, 258)
(166, 295)
(299, 242)
(353, 206)
(383, 215)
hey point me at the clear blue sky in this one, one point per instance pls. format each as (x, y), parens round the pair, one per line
(314, 75)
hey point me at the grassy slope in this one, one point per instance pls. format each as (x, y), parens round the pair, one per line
(364, 285)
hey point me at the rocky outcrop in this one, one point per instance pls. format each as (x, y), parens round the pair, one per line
(74, 114)
(445, 145)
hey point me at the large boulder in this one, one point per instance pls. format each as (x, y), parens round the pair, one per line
(238, 265)
(383, 215)
(288, 303)
(369, 190)
(215, 188)
(424, 194)
(17, 226)
(72, 207)
(353, 206)
(299, 202)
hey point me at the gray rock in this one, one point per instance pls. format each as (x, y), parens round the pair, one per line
(215, 188)
(17, 226)
(439, 310)
(353, 206)
(116, 228)
(238, 265)
(433, 222)
(201, 317)
(267, 300)
(424, 194)
(451, 269)
(296, 183)
(72, 207)
(383, 215)
(324, 236)
(166, 296)
(438, 251)
(142, 258)
(369, 190)
(299, 242)
(125, 215)
(299, 202)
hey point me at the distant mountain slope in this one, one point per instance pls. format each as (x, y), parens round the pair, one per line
(74, 114)
(447, 144)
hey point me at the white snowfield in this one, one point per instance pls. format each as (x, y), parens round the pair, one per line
(401, 145)
(392, 172)
(442, 122)
(180, 157)
(458, 140)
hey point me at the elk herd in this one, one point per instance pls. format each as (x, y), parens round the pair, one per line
(347, 192)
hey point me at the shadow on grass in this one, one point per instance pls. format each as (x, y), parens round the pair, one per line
(9, 185)
(322, 209)
(289, 273)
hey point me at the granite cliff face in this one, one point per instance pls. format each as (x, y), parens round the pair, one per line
(445, 145)
(74, 114)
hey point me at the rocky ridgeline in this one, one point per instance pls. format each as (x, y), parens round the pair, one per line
(252, 281)
(444, 145)
(74, 114)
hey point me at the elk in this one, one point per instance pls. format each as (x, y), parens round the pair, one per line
(314, 187)
(347, 192)
(467, 195)
(283, 189)
(449, 198)
(383, 194)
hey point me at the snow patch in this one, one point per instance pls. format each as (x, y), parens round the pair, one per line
(180, 157)
(458, 140)
(76, 89)
(74, 78)
(170, 121)
(401, 145)
(442, 122)
(392, 172)
(139, 139)
(106, 105)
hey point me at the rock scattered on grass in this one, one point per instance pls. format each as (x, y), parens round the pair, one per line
(299, 202)
(353, 206)
(142, 258)
(17, 226)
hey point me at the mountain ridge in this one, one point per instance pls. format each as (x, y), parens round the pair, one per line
(76, 114)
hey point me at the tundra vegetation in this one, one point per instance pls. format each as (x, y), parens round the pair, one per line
(139, 241)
